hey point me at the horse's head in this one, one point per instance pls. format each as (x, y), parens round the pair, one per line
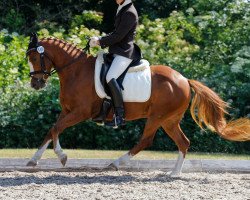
(39, 61)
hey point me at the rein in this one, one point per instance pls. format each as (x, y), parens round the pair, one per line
(40, 49)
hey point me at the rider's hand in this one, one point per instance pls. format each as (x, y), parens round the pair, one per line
(94, 41)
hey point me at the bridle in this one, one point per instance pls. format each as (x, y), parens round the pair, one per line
(40, 49)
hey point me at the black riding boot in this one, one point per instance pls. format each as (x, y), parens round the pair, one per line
(101, 117)
(116, 96)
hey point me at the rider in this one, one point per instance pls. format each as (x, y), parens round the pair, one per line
(121, 45)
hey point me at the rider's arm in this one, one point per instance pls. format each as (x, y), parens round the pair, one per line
(128, 20)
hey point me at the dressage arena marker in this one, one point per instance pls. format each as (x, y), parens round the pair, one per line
(16, 164)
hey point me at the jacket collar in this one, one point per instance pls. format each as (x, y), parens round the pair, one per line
(123, 6)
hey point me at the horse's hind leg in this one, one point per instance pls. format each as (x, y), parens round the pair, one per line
(176, 134)
(145, 141)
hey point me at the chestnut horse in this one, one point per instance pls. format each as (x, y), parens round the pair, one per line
(170, 97)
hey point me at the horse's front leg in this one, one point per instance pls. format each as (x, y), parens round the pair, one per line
(69, 120)
(63, 122)
(37, 156)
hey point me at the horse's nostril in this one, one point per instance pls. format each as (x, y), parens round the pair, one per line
(32, 84)
(37, 83)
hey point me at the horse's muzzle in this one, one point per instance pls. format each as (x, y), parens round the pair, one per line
(37, 83)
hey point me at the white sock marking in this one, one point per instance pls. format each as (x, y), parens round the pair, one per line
(122, 160)
(37, 156)
(179, 164)
(59, 151)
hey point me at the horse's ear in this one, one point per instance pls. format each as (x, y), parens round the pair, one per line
(33, 38)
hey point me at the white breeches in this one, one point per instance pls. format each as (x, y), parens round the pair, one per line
(118, 66)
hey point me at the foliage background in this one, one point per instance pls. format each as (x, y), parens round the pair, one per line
(204, 40)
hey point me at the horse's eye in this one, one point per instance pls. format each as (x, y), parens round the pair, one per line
(33, 59)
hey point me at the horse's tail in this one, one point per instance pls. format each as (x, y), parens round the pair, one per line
(211, 110)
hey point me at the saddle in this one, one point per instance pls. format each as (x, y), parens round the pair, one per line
(107, 61)
(136, 80)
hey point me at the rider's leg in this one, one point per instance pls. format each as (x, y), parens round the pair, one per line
(119, 65)
(116, 96)
(101, 117)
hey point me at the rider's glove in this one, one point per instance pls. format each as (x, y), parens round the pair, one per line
(94, 41)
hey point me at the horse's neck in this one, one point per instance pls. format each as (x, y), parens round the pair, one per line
(81, 70)
(78, 77)
(77, 87)
(77, 83)
(68, 60)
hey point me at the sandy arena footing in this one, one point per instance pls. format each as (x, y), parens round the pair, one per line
(239, 166)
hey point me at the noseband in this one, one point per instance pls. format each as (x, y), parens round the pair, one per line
(40, 49)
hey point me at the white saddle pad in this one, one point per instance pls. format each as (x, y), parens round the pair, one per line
(137, 82)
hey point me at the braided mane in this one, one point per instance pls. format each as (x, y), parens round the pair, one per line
(60, 41)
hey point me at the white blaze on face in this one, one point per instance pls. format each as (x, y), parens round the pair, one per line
(31, 66)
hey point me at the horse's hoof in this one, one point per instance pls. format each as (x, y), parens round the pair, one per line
(111, 167)
(31, 163)
(64, 160)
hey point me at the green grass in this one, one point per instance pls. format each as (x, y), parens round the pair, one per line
(154, 155)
